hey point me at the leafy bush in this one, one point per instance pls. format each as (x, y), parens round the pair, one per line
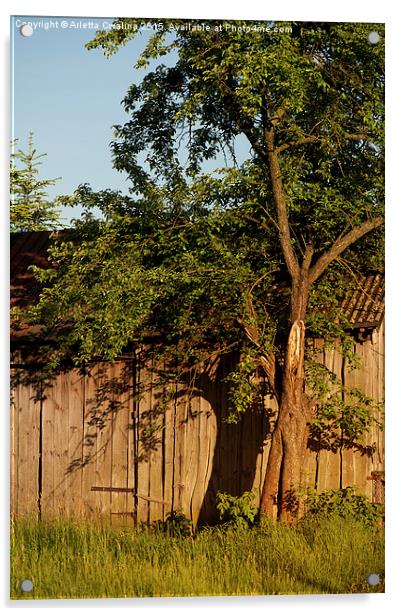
(175, 525)
(237, 510)
(344, 503)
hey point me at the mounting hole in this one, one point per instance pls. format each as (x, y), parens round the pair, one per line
(373, 579)
(26, 30)
(27, 585)
(373, 37)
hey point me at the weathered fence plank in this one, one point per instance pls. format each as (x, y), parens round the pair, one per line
(76, 386)
(193, 451)
(121, 503)
(168, 449)
(14, 450)
(156, 453)
(145, 442)
(28, 447)
(61, 401)
(181, 419)
(91, 501)
(49, 416)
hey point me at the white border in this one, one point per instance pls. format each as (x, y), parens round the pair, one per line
(341, 10)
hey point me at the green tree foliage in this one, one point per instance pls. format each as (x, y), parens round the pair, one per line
(29, 208)
(343, 415)
(233, 258)
(211, 240)
(344, 503)
(240, 511)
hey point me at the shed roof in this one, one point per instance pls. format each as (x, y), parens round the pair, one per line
(364, 307)
(26, 248)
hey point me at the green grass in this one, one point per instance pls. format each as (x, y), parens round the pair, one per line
(70, 560)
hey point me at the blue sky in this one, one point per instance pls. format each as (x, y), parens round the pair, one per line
(70, 98)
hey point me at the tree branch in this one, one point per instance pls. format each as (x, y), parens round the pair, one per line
(294, 144)
(307, 258)
(267, 361)
(315, 138)
(341, 244)
(244, 124)
(356, 136)
(250, 134)
(260, 223)
(281, 206)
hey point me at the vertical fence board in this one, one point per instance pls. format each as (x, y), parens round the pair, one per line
(168, 447)
(328, 464)
(49, 415)
(378, 394)
(14, 453)
(215, 478)
(121, 503)
(135, 417)
(130, 415)
(157, 424)
(75, 440)
(212, 427)
(204, 462)
(107, 386)
(90, 500)
(247, 450)
(60, 402)
(374, 436)
(230, 461)
(225, 477)
(339, 468)
(313, 456)
(352, 379)
(145, 442)
(29, 435)
(362, 379)
(192, 458)
(174, 407)
(203, 457)
(267, 427)
(264, 427)
(181, 420)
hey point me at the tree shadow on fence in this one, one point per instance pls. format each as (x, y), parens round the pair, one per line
(105, 392)
(240, 449)
(236, 457)
(111, 395)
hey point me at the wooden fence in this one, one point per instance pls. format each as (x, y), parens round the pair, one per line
(118, 444)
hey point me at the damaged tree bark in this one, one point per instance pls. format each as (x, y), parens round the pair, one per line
(279, 495)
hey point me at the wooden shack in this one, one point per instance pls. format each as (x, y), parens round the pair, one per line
(114, 442)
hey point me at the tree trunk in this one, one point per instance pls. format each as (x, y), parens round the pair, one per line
(283, 474)
(288, 447)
